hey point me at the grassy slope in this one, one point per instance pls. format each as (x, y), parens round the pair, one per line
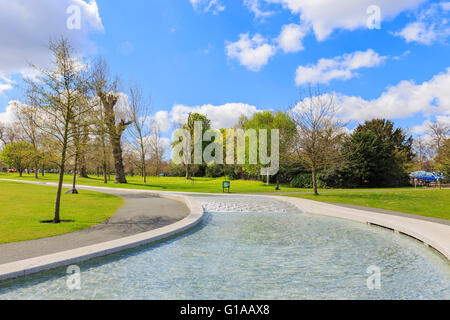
(23, 206)
(213, 185)
(430, 203)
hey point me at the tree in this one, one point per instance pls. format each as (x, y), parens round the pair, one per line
(80, 130)
(27, 117)
(189, 126)
(156, 148)
(59, 93)
(269, 120)
(9, 133)
(443, 158)
(102, 149)
(319, 132)
(439, 132)
(362, 152)
(140, 130)
(116, 120)
(18, 155)
(423, 154)
(378, 154)
(84, 147)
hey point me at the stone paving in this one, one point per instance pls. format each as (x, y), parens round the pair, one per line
(245, 204)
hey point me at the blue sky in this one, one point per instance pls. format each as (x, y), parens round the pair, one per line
(228, 58)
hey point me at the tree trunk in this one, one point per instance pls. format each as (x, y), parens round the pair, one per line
(115, 133)
(36, 169)
(58, 196)
(83, 172)
(104, 161)
(61, 175)
(118, 160)
(144, 172)
(314, 181)
(188, 176)
(74, 180)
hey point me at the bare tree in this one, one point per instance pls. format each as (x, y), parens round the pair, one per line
(318, 131)
(79, 126)
(157, 149)
(439, 132)
(140, 110)
(101, 138)
(59, 94)
(9, 133)
(115, 122)
(84, 147)
(423, 153)
(3, 134)
(27, 117)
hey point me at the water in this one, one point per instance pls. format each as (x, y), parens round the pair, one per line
(256, 255)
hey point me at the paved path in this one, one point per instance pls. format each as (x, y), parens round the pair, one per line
(344, 191)
(140, 213)
(395, 213)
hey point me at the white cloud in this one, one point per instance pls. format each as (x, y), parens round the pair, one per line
(253, 53)
(324, 16)
(9, 116)
(5, 84)
(291, 37)
(5, 87)
(161, 119)
(215, 6)
(223, 116)
(341, 67)
(418, 32)
(424, 127)
(402, 56)
(432, 25)
(445, 6)
(30, 25)
(255, 7)
(406, 99)
(403, 100)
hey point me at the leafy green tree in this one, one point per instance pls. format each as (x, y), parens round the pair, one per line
(270, 120)
(18, 155)
(378, 154)
(189, 126)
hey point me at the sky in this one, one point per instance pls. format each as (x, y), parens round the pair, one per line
(380, 58)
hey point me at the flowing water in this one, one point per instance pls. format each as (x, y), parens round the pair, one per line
(256, 249)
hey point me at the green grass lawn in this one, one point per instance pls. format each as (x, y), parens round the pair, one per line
(24, 206)
(429, 203)
(212, 185)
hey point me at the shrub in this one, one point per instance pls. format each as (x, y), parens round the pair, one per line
(214, 171)
(304, 180)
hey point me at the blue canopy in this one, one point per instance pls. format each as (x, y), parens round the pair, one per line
(426, 176)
